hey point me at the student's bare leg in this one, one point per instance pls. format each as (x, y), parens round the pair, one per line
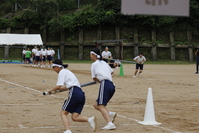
(140, 71)
(104, 111)
(64, 117)
(78, 118)
(135, 72)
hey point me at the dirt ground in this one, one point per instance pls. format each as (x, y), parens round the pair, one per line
(23, 108)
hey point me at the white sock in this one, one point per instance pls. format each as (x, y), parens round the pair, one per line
(68, 131)
(110, 123)
(89, 120)
(109, 112)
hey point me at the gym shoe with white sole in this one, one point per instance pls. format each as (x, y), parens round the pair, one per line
(113, 116)
(109, 127)
(134, 76)
(67, 131)
(93, 123)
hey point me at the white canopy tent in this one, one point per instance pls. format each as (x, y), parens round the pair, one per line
(20, 39)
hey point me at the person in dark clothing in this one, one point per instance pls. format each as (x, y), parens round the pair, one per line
(197, 60)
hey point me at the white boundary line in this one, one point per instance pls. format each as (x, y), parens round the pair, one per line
(23, 127)
(167, 129)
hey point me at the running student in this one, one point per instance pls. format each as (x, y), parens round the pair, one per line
(101, 72)
(76, 98)
(140, 59)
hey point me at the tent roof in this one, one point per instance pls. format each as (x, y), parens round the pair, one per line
(20, 39)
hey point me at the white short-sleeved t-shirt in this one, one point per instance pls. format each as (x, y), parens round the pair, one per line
(101, 70)
(37, 53)
(48, 52)
(106, 54)
(24, 52)
(140, 59)
(34, 50)
(43, 52)
(52, 52)
(67, 78)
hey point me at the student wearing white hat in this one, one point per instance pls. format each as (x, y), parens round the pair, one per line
(102, 73)
(76, 98)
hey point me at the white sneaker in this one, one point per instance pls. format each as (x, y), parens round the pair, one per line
(93, 123)
(113, 116)
(109, 127)
(67, 131)
(134, 76)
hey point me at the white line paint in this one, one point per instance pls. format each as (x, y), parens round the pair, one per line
(10, 104)
(167, 129)
(47, 127)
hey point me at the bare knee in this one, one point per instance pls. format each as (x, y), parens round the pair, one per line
(63, 112)
(96, 106)
(74, 118)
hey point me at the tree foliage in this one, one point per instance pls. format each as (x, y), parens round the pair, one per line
(63, 14)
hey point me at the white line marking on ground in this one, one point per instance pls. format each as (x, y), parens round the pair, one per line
(43, 127)
(87, 106)
(25, 104)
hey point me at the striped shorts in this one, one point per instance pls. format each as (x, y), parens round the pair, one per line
(75, 101)
(106, 91)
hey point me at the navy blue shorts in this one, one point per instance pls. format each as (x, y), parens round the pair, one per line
(139, 66)
(24, 57)
(75, 101)
(106, 91)
(44, 58)
(27, 59)
(49, 57)
(37, 58)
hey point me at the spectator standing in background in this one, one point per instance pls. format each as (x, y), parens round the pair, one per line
(27, 56)
(33, 55)
(49, 57)
(52, 53)
(24, 55)
(43, 57)
(197, 60)
(106, 55)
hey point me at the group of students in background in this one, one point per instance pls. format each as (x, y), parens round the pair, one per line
(38, 56)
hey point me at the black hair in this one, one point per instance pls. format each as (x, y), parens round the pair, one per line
(97, 51)
(59, 62)
(140, 54)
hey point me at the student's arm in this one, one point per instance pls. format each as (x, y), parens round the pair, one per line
(57, 87)
(95, 79)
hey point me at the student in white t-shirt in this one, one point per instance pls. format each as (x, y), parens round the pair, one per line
(43, 57)
(102, 73)
(140, 59)
(24, 55)
(52, 53)
(49, 56)
(33, 55)
(106, 55)
(76, 98)
(38, 55)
